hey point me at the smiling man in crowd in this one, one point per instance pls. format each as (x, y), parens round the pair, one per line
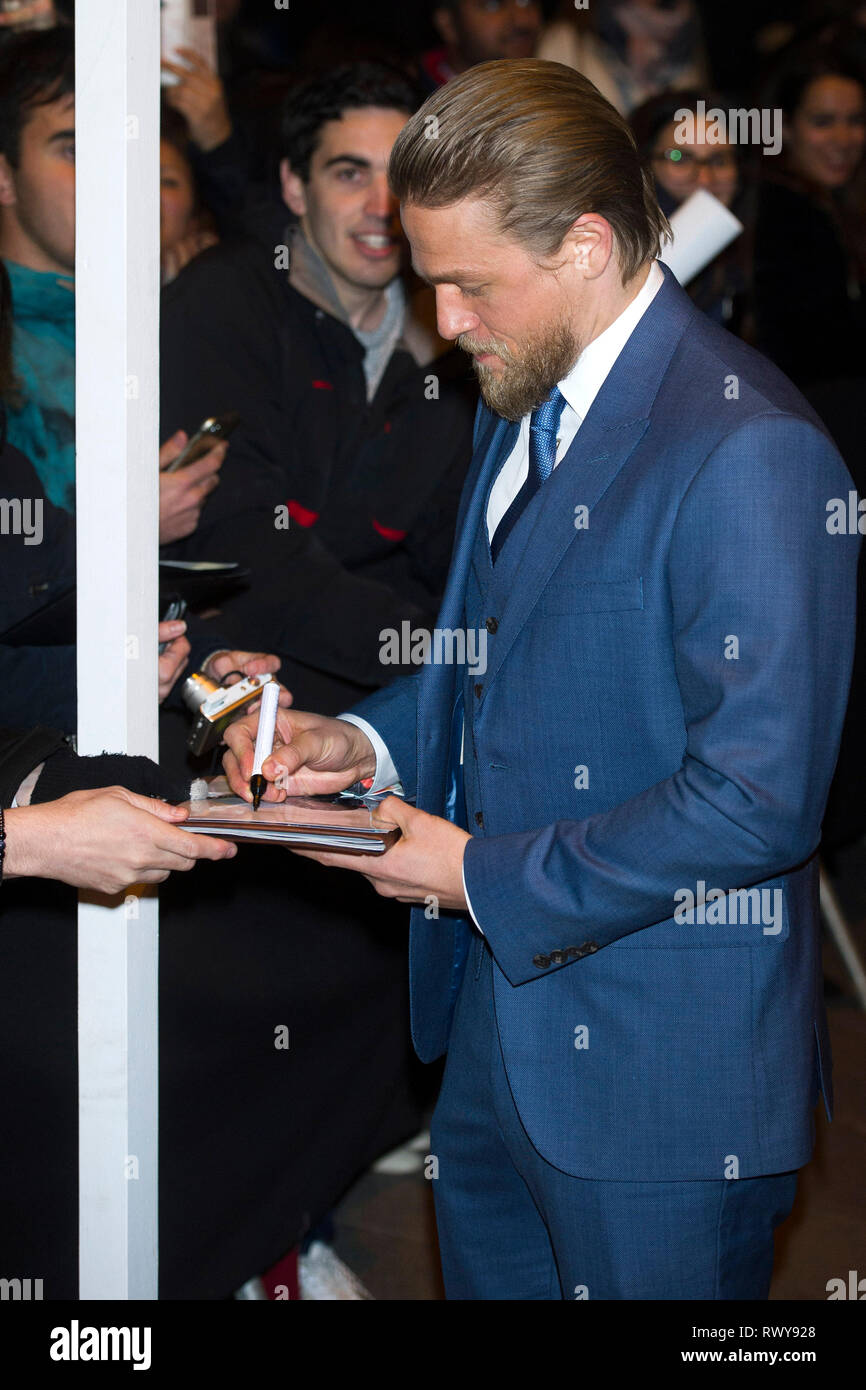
(341, 487)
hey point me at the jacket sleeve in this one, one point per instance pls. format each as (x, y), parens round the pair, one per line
(393, 713)
(750, 554)
(39, 681)
(21, 750)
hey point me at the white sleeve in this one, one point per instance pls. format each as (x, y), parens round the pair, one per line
(386, 773)
(468, 903)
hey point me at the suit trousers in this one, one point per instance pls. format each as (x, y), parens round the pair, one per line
(513, 1226)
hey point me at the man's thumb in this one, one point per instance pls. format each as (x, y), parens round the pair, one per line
(393, 811)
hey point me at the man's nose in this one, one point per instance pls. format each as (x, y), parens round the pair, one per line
(380, 201)
(452, 317)
(707, 174)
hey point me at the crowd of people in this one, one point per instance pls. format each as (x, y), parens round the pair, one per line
(288, 296)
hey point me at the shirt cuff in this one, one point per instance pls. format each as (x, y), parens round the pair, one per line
(466, 896)
(386, 773)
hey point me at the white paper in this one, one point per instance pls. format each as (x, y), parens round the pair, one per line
(702, 227)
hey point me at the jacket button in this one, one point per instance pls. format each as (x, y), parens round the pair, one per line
(478, 689)
(542, 962)
(491, 625)
(574, 951)
(558, 957)
(588, 947)
(479, 819)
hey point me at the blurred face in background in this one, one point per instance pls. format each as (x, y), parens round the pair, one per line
(680, 168)
(347, 212)
(176, 196)
(825, 137)
(37, 196)
(480, 30)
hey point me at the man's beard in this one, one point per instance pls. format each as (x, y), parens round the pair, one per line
(529, 378)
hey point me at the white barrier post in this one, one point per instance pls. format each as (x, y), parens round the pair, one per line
(117, 318)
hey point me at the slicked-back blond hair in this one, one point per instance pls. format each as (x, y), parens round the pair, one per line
(541, 145)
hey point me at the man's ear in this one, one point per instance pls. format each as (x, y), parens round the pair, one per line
(8, 196)
(443, 22)
(294, 195)
(588, 245)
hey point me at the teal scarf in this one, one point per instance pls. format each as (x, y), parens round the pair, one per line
(43, 347)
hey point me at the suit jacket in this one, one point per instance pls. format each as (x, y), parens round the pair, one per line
(664, 690)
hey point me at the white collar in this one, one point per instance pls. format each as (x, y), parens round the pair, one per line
(587, 376)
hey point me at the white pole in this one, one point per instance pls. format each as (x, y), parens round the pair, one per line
(117, 293)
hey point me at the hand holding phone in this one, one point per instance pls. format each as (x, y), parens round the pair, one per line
(209, 433)
(182, 494)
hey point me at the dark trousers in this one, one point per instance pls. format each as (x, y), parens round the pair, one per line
(512, 1226)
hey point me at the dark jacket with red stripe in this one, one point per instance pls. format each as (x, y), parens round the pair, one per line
(370, 489)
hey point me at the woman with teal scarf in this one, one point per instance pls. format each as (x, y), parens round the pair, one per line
(42, 421)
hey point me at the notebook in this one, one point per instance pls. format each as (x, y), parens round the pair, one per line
(340, 822)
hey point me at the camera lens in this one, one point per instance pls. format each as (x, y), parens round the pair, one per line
(196, 688)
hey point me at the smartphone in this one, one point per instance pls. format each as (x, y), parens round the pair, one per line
(209, 433)
(175, 609)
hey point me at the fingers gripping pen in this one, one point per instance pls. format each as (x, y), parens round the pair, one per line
(264, 739)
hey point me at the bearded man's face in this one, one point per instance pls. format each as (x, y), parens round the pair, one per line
(496, 301)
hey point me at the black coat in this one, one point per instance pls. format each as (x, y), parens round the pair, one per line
(810, 314)
(372, 488)
(38, 683)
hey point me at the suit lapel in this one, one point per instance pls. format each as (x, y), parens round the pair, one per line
(494, 440)
(615, 423)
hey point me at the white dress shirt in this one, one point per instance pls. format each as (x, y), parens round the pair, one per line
(580, 389)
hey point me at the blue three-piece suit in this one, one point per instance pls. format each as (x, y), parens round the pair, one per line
(670, 628)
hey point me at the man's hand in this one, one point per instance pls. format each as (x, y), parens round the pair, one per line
(199, 97)
(175, 257)
(424, 866)
(251, 663)
(182, 494)
(312, 755)
(104, 840)
(175, 657)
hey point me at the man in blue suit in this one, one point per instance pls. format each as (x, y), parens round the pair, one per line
(619, 798)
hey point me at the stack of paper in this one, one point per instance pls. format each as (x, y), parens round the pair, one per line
(336, 822)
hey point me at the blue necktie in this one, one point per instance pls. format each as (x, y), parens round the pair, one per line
(543, 426)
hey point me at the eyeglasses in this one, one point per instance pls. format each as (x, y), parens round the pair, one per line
(685, 164)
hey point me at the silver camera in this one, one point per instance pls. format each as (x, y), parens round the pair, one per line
(215, 706)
